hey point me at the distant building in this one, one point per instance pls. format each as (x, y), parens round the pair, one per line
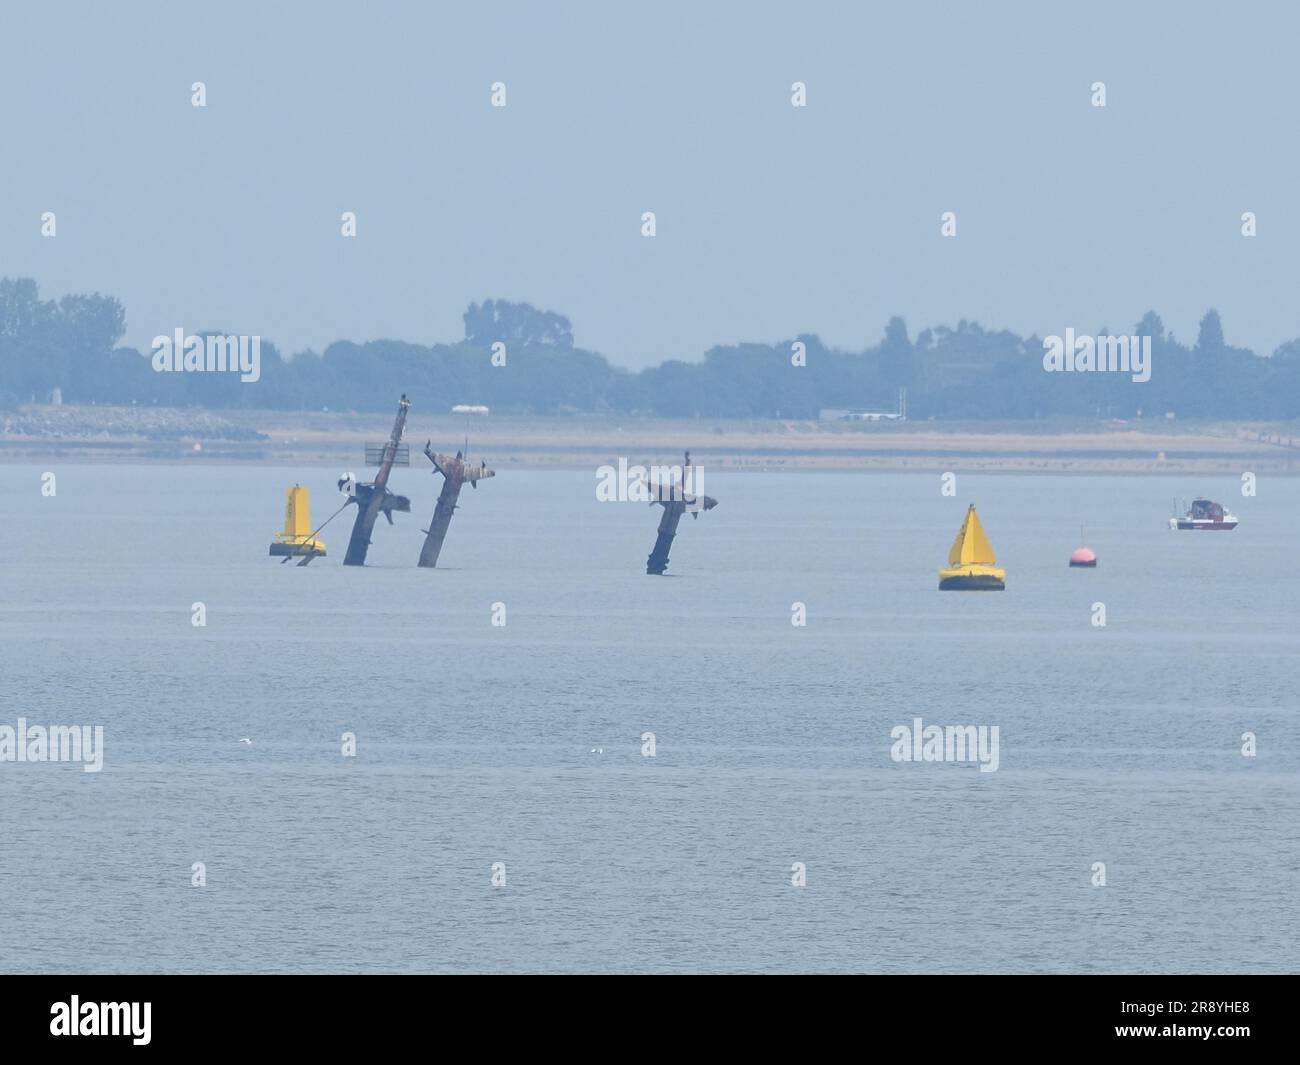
(857, 414)
(836, 414)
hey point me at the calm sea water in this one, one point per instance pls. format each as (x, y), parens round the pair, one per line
(475, 743)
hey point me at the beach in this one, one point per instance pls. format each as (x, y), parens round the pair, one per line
(338, 439)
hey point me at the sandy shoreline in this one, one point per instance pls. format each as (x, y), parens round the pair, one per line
(97, 434)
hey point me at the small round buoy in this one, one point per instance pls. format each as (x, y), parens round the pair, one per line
(1083, 556)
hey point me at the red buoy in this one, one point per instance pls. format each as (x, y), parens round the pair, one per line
(1083, 556)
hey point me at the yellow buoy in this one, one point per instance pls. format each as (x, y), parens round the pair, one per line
(297, 538)
(971, 561)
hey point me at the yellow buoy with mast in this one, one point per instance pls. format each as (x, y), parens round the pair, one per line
(298, 537)
(972, 563)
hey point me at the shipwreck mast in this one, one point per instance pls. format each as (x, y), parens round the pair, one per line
(455, 472)
(373, 498)
(673, 498)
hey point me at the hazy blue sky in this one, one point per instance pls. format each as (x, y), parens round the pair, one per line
(771, 220)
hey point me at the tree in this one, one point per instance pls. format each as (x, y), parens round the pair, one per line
(1209, 338)
(516, 324)
(951, 373)
(1151, 326)
(897, 361)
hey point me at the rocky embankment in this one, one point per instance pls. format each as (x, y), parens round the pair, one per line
(339, 438)
(142, 433)
(71, 424)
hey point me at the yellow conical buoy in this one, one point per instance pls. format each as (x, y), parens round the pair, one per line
(297, 538)
(972, 561)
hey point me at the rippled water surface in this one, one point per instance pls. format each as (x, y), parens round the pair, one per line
(521, 744)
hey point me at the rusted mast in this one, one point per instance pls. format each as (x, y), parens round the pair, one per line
(676, 502)
(373, 498)
(455, 472)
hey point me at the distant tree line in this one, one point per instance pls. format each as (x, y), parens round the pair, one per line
(964, 373)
